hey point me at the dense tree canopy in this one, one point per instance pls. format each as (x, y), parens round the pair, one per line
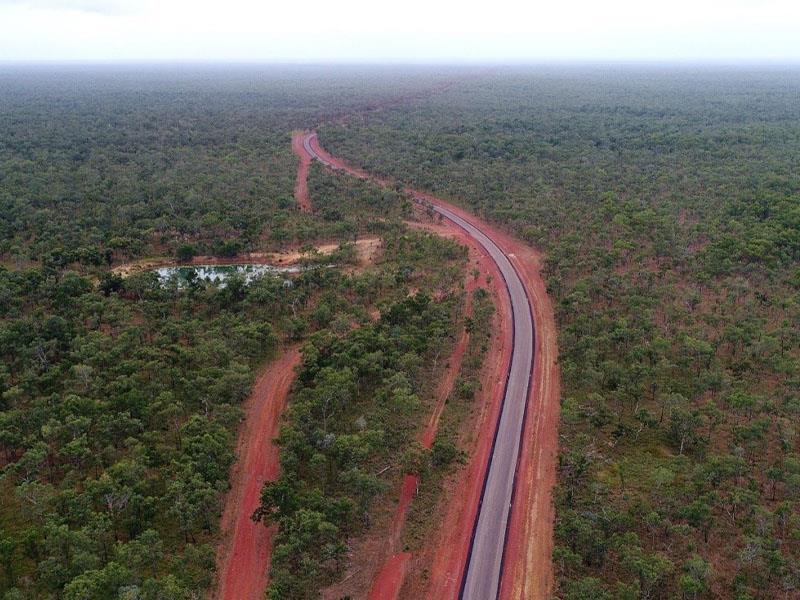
(667, 202)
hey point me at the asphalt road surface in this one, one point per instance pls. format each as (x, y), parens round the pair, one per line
(484, 567)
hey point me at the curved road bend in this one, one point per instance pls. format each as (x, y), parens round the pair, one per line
(482, 577)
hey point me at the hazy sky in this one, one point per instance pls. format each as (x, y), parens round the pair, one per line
(399, 30)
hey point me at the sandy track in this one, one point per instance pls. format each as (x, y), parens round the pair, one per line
(527, 565)
(244, 554)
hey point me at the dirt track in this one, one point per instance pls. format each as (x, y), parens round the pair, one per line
(446, 553)
(243, 557)
(527, 569)
(529, 546)
(301, 185)
(386, 583)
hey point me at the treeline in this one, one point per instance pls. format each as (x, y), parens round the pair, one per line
(436, 465)
(667, 202)
(349, 202)
(117, 411)
(350, 414)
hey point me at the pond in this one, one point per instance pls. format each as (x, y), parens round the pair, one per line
(219, 273)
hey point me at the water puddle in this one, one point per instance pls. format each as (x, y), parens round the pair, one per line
(217, 274)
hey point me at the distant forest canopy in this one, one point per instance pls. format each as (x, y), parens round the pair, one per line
(667, 201)
(103, 164)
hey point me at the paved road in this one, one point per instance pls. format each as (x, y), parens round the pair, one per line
(483, 571)
(311, 152)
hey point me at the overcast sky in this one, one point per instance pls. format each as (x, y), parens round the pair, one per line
(399, 30)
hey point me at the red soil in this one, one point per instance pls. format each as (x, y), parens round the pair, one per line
(528, 571)
(340, 165)
(387, 583)
(390, 579)
(303, 166)
(345, 114)
(243, 557)
(446, 554)
(528, 567)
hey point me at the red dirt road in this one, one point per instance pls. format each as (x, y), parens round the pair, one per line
(390, 579)
(446, 554)
(527, 569)
(303, 167)
(243, 557)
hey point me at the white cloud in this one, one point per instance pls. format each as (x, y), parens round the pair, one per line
(411, 30)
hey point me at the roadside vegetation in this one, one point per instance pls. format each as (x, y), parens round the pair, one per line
(351, 417)
(667, 202)
(438, 464)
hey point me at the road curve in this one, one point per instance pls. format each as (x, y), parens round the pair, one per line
(481, 580)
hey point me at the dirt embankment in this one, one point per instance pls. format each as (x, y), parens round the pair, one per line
(527, 566)
(244, 553)
(528, 571)
(437, 568)
(388, 582)
(378, 565)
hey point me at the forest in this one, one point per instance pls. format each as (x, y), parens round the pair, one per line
(667, 201)
(121, 395)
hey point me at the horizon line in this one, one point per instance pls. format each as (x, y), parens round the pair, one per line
(451, 62)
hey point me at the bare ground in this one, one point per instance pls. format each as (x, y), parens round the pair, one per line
(244, 553)
(367, 249)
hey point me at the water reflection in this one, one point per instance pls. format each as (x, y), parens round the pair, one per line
(217, 274)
